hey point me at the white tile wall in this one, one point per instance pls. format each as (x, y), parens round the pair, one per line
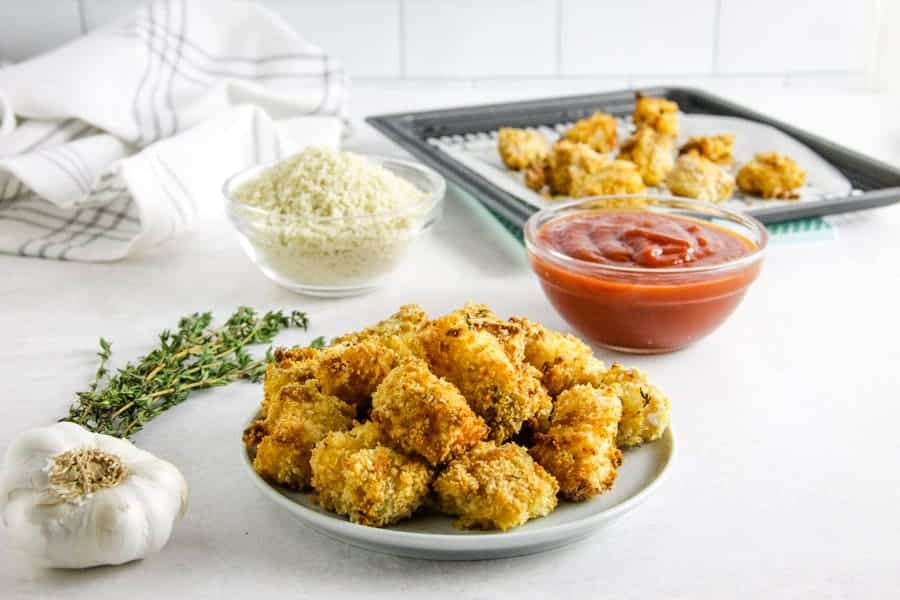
(557, 44)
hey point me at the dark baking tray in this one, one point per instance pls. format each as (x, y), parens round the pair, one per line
(874, 183)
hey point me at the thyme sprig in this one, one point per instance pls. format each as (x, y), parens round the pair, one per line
(194, 356)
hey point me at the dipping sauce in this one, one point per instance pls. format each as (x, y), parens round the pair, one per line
(641, 280)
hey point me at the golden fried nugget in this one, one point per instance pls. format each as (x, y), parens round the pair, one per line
(510, 334)
(568, 159)
(700, 178)
(537, 175)
(771, 175)
(284, 440)
(521, 147)
(653, 153)
(399, 332)
(291, 365)
(645, 409)
(352, 370)
(563, 360)
(503, 391)
(616, 177)
(579, 449)
(597, 131)
(658, 113)
(356, 475)
(716, 148)
(495, 487)
(422, 414)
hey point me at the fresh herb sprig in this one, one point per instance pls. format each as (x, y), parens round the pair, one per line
(194, 356)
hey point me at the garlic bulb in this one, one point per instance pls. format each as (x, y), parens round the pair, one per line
(71, 498)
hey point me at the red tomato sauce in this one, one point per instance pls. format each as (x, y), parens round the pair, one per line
(657, 308)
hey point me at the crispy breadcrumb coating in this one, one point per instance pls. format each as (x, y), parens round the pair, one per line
(579, 449)
(771, 175)
(399, 332)
(645, 408)
(503, 391)
(537, 174)
(495, 487)
(598, 131)
(291, 365)
(568, 159)
(422, 414)
(716, 148)
(521, 147)
(356, 475)
(510, 334)
(563, 360)
(700, 178)
(284, 440)
(616, 177)
(653, 153)
(659, 113)
(352, 370)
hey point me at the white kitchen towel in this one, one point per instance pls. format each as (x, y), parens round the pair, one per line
(119, 140)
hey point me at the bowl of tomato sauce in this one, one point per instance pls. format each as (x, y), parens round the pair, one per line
(644, 274)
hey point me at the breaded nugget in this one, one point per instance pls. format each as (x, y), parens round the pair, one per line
(652, 152)
(598, 131)
(352, 370)
(510, 334)
(700, 178)
(579, 449)
(537, 175)
(568, 159)
(399, 332)
(284, 440)
(616, 177)
(563, 360)
(422, 414)
(291, 365)
(658, 113)
(520, 147)
(645, 409)
(771, 175)
(356, 475)
(716, 148)
(495, 487)
(503, 391)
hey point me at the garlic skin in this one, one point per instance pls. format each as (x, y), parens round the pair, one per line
(79, 516)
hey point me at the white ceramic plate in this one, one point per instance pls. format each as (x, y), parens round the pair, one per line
(431, 535)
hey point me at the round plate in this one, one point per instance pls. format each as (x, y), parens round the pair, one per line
(431, 535)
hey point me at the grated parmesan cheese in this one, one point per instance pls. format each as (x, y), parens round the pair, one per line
(333, 218)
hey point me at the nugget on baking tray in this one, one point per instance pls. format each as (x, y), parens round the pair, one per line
(645, 408)
(495, 487)
(563, 360)
(771, 175)
(424, 415)
(520, 147)
(352, 370)
(616, 177)
(355, 474)
(567, 159)
(658, 113)
(302, 416)
(652, 153)
(579, 449)
(399, 332)
(503, 391)
(598, 131)
(699, 178)
(716, 148)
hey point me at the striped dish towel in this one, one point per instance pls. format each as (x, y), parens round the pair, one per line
(121, 140)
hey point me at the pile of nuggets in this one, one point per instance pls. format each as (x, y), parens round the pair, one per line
(486, 419)
(579, 163)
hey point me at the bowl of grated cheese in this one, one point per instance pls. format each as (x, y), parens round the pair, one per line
(329, 223)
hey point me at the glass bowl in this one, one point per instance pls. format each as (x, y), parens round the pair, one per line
(335, 256)
(639, 309)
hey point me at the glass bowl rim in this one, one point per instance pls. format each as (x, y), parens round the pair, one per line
(545, 215)
(433, 196)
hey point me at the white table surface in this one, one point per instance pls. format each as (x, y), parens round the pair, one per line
(786, 483)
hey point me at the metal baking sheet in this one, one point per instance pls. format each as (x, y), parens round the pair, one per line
(431, 135)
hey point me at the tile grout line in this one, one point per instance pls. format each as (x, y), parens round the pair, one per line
(401, 35)
(559, 38)
(82, 17)
(717, 35)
